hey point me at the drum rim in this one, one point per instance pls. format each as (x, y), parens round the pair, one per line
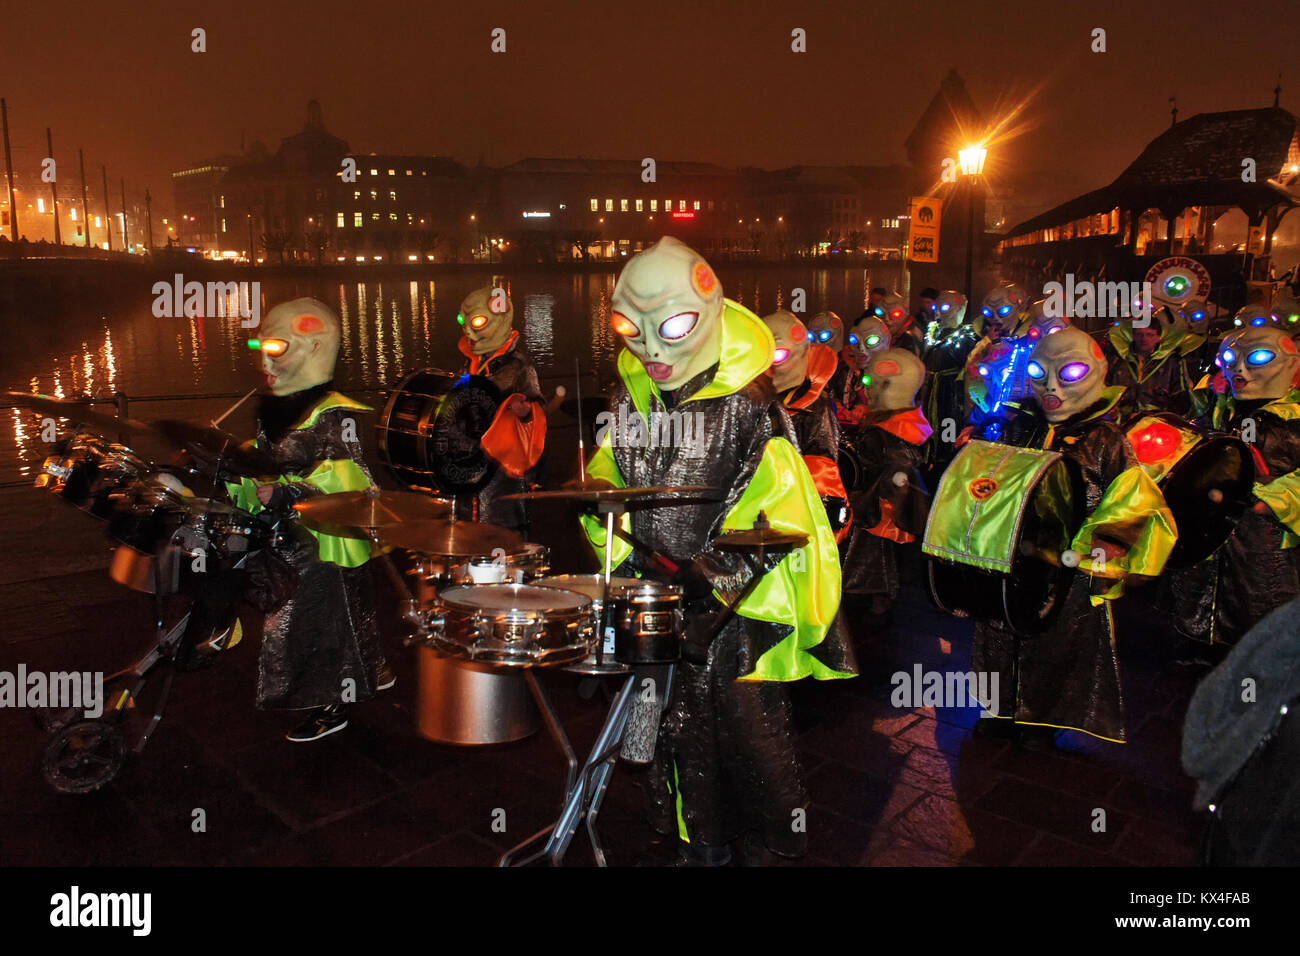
(449, 598)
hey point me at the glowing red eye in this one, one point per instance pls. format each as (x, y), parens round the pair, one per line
(624, 326)
(678, 326)
(896, 313)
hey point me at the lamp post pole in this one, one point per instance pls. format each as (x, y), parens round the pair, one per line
(970, 238)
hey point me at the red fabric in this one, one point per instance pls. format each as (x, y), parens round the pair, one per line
(1261, 469)
(477, 362)
(909, 425)
(886, 528)
(515, 444)
(821, 368)
(826, 476)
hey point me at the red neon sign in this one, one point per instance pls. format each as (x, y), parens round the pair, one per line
(683, 215)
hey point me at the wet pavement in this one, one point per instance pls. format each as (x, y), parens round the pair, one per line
(889, 786)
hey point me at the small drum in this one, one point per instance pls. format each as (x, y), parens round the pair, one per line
(1001, 518)
(518, 565)
(430, 429)
(601, 659)
(514, 625)
(1206, 479)
(645, 619)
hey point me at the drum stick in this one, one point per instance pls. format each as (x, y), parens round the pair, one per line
(217, 422)
(667, 565)
(582, 451)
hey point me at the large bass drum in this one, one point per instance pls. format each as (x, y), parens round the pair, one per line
(1001, 519)
(1205, 477)
(430, 430)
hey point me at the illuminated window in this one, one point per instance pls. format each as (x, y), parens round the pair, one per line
(223, 225)
(223, 202)
(374, 172)
(356, 220)
(668, 205)
(392, 195)
(392, 217)
(410, 219)
(356, 194)
(622, 205)
(340, 220)
(654, 205)
(73, 214)
(681, 205)
(710, 205)
(408, 172)
(374, 194)
(639, 206)
(595, 205)
(392, 172)
(374, 217)
(697, 205)
(609, 205)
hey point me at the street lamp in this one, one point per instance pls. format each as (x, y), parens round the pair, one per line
(971, 160)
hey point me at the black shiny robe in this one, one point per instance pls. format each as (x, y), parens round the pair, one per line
(321, 645)
(729, 742)
(512, 372)
(1221, 598)
(1067, 676)
(1164, 389)
(944, 395)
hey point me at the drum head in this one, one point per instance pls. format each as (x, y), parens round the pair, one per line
(589, 585)
(431, 427)
(505, 598)
(1207, 491)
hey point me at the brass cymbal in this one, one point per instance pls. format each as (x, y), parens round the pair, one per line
(372, 509)
(73, 411)
(760, 538)
(210, 444)
(453, 539)
(603, 491)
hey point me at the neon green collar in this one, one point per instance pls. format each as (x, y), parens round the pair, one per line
(327, 402)
(745, 352)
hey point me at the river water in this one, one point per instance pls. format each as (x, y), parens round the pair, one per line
(390, 328)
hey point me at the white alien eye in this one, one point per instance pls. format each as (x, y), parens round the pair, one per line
(678, 326)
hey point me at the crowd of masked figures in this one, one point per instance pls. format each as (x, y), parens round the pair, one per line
(1041, 472)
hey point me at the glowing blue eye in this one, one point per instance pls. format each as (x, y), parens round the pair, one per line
(1257, 320)
(1035, 371)
(1237, 322)
(811, 336)
(984, 370)
(1229, 355)
(824, 335)
(853, 339)
(1260, 357)
(678, 326)
(878, 312)
(1004, 310)
(1197, 316)
(987, 312)
(945, 307)
(1074, 371)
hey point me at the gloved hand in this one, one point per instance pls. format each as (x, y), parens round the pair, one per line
(700, 630)
(693, 582)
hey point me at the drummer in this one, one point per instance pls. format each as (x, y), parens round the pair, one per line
(1258, 568)
(726, 765)
(517, 436)
(320, 642)
(800, 374)
(1149, 362)
(1068, 677)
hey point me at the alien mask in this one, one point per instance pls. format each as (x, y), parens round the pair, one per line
(790, 365)
(1254, 316)
(869, 335)
(892, 310)
(1002, 306)
(950, 309)
(667, 306)
(893, 378)
(1067, 371)
(1194, 317)
(299, 345)
(1258, 362)
(826, 328)
(1040, 323)
(487, 318)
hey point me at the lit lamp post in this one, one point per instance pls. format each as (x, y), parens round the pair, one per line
(971, 160)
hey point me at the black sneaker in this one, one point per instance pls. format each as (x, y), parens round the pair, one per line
(386, 678)
(322, 722)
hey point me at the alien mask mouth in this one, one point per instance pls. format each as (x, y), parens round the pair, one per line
(1051, 403)
(658, 371)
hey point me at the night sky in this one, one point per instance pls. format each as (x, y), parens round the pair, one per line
(674, 80)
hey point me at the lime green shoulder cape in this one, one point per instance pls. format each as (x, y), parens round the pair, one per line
(328, 477)
(803, 591)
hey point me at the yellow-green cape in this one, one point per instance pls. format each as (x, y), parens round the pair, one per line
(803, 591)
(328, 476)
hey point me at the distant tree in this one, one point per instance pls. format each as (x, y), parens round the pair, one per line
(426, 242)
(318, 240)
(276, 241)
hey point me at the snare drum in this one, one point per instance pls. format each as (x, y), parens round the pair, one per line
(601, 659)
(1206, 479)
(519, 565)
(1002, 517)
(513, 625)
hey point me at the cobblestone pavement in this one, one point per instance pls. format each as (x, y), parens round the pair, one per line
(889, 786)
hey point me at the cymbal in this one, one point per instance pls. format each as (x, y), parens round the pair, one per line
(760, 538)
(73, 411)
(372, 508)
(453, 539)
(209, 444)
(602, 491)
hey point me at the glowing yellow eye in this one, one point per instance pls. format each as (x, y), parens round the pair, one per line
(624, 326)
(478, 321)
(274, 347)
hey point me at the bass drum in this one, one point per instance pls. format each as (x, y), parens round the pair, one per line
(1205, 477)
(1001, 519)
(430, 430)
